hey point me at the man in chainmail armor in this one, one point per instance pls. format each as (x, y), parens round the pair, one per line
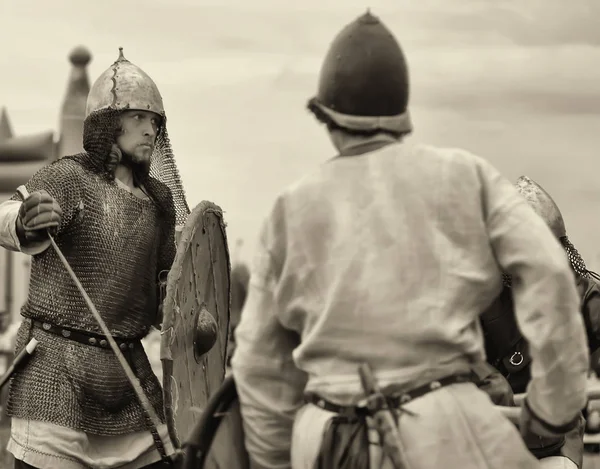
(508, 351)
(113, 211)
(386, 255)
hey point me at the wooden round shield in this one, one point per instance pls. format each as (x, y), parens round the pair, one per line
(196, 320)
(217, 441)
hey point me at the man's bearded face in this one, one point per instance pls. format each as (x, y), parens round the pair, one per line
(137, 139)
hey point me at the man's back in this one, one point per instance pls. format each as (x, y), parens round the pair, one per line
(387, 248)
(386, 259)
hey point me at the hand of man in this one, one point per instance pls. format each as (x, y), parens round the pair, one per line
(39, 215)
(490, 380)
(541, 438)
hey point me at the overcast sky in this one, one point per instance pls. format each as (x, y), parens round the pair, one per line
(516, 81)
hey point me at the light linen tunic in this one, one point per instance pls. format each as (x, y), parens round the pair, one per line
(388, 258)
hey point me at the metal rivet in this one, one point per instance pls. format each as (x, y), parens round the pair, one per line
(92, 340)
(103, 343)
(47, 326)
(435, 385)
(131, 346)
(123, 346)
(405, 398)
(66, 333)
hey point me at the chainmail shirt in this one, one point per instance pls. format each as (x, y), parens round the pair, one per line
(116, 243)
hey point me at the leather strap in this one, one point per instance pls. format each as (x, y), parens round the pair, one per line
(394, 400)
(86, 338)
(158, 442)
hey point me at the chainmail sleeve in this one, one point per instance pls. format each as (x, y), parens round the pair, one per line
(63, 181)
(167, 248)
(162, 196)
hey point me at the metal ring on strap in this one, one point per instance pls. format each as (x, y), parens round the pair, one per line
(516, 359)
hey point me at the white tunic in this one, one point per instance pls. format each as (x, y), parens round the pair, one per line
(388, 258)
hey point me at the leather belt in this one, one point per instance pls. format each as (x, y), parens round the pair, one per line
(395, 401)
(86, 338)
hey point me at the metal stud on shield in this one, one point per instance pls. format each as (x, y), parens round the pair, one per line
(196, 320)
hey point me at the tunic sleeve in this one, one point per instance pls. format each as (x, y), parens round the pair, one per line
(269, 384)
(545, 296)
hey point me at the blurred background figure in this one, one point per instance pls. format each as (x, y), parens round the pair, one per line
(240, 278)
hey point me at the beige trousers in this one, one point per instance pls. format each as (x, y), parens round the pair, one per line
(557, 462)
(455, 427)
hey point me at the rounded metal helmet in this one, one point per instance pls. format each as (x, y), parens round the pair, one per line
(124, 86)
(364, 84)
(543, 205)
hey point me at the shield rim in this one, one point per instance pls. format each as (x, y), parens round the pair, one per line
(194, 220)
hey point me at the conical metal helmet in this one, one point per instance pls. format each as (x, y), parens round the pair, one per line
(543, 205)
(124, 86)
(364, 84)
